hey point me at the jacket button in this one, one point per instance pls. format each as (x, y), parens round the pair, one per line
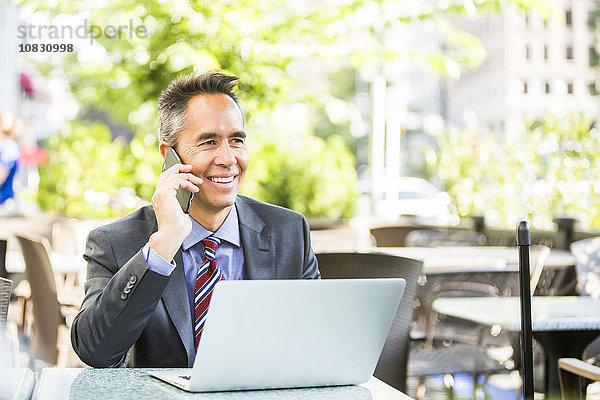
(133, 279)
(123, 296)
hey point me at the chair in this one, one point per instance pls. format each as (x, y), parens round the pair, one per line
(466, 284)
(453, 346)
(49, 340)
(3, 248)
(391, 367)
(435, 238)
(5, 290)
(587, 268)
(65, 238)
(587, 265)
(576, 375)
(538, 254)
(391, 236)
(68, 245)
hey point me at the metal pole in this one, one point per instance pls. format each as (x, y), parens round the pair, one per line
(523, 242)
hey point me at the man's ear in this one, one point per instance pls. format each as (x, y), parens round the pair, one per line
(162, 147)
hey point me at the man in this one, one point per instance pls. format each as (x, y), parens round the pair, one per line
(143, 305)
(9, 156)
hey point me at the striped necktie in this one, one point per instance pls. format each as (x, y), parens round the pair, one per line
(208, 276)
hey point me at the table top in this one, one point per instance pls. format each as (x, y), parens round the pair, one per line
(549, 313)
(110, 383)
(16, 383)
(474, 258)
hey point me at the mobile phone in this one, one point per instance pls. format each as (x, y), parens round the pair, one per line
(183, 195)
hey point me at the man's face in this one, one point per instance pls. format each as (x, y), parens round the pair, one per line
(214, 143)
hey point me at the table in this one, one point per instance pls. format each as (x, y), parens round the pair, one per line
(474, 258)
(16, 383)
(563, 325)
(126, 383)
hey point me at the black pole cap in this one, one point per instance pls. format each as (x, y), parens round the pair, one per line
(523, 237)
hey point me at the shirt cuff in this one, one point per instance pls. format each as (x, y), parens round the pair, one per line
(156, 263)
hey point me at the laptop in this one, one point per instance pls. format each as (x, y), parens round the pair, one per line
(276, 334)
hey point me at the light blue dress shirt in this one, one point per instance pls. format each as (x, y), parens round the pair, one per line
(230, 255)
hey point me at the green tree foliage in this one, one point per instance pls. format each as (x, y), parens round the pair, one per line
(85, 177)
(257, 42)
(309, 175)
(547, 171)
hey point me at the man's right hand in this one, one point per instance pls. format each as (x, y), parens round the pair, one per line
(173, 224)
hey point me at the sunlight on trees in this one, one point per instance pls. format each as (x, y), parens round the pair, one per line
(270, 45)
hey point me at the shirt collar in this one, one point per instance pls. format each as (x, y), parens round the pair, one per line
(228, 231)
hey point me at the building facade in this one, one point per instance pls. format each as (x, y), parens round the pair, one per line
(536, 64)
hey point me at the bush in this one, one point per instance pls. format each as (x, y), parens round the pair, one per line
(91, 175)
(548, 170)
(84, 176)
(310, 175)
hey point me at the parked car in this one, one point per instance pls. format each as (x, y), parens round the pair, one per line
(420, 199)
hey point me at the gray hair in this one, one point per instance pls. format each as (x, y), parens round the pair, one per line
(173, 101)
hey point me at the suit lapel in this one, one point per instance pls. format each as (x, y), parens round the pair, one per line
(257, 243)
(177, 303)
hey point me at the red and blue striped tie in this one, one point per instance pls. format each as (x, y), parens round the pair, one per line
(208, 276)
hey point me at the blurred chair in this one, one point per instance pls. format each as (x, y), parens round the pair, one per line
(452, 345)
(436, 238)
(68, 246)
(576, 375)
(392, 364)
(466, 284)
(538, 255)
(7, 336)
(391, 236)
(587, 267)
(5, 290)
(3, 248)
(50, 337)
(64, 236)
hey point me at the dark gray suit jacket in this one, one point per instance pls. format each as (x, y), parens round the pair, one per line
(128, 307)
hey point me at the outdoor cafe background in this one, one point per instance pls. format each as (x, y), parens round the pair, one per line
(343, 101)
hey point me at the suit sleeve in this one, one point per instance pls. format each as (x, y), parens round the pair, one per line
(118, 303)
(311, 268)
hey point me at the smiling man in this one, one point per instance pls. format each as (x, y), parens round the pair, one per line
(151, 274)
